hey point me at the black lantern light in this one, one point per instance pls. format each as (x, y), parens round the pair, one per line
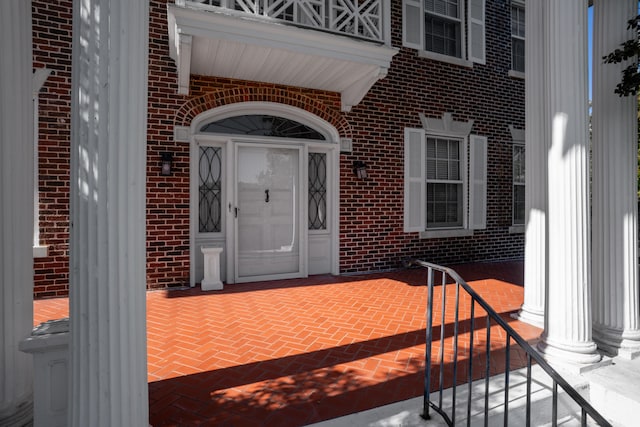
(167, 158)
(360, 169)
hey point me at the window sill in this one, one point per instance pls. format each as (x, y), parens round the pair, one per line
(516, 74)
(40, 251)
(438, 234)
(516, 229)
(445, 58)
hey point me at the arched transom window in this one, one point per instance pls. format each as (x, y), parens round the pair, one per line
(262, 125)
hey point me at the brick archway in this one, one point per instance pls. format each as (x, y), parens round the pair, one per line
(211, 100)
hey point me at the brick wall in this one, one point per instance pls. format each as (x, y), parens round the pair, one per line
(371, 230)
(372, 236)
(52, 49)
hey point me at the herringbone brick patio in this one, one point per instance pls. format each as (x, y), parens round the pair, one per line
(294, 352)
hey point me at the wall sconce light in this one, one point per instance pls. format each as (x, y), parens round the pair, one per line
(360, 169)
(167, 158)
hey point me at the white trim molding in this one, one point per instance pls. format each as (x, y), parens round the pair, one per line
(40, 76)
(181, 133)
(225, 44)
(446, 126)
(517, 135)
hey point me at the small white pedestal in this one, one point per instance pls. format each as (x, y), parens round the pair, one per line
(49, 344)
(211, 281)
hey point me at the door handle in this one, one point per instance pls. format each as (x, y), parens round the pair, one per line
(236, 212)
(266, 196)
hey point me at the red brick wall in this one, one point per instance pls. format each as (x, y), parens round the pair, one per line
(52, 49)
(372, 236)
(371, 230)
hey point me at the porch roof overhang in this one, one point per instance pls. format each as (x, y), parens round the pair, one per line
(225, 44)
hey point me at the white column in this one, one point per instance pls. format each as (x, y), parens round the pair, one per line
(16, 212)
(536, 137)
(616, 314)
(108, 379)
(567, 334)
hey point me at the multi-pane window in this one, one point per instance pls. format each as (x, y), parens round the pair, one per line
(443, 25)
(317, 191)
(517, 37)
(518, 184)
(210, 188)
(444, 183)
(445, 30)
(262, 125)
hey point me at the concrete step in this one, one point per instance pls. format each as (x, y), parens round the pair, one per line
(614, 391)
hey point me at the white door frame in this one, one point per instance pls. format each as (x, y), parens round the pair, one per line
(301, 208)
(331, 146)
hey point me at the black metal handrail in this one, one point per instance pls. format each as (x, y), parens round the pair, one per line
(492, 315)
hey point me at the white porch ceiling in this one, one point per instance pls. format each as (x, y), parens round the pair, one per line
(213, 43)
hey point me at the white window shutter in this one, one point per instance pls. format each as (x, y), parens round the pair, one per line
(414, 180)
(478, 187)
(412, 24)
(477, 31)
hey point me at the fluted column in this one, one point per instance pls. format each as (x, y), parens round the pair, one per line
(107, 236)
(567, 333)
(535, 247)
(16, 212)
(616, 314)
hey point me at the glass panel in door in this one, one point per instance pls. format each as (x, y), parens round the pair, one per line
(267, 223)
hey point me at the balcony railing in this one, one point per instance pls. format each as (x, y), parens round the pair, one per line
(363, 19)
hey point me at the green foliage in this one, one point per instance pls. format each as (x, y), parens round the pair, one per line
(629, 50)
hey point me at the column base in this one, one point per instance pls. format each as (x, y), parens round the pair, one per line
(575, 356)
(530, 315)
(20, 416)
(617, 342)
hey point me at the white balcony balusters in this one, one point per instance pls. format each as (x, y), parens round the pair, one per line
(363, 19)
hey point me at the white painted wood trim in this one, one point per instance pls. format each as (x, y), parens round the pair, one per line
(16, 212)
(445, 58)
(439, 234)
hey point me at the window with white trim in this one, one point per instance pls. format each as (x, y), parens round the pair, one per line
(209, 189)
(517, 37)
(445, 28)
(445, 177)
(444, 182)
(317, 176)
(518, 184)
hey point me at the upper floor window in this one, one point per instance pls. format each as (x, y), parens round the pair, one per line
(438, 28)
(442, 26)
(517, 37)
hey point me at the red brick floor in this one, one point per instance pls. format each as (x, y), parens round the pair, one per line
(294, 352)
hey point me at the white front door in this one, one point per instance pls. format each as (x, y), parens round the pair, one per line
(268, 225)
